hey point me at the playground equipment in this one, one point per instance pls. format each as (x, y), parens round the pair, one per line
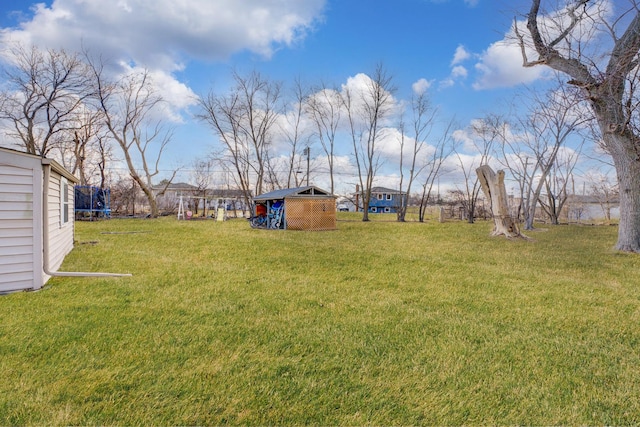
(92, 202)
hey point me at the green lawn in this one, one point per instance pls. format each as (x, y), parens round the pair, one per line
(375, 323)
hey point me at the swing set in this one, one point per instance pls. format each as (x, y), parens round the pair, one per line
(220, 211)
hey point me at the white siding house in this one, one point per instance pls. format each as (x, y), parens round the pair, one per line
(36, 219)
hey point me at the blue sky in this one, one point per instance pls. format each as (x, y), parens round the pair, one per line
(455, 46)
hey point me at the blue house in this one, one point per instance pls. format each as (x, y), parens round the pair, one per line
(386, 200)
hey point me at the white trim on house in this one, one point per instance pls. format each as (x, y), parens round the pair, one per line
(64, 202)
(60, 241)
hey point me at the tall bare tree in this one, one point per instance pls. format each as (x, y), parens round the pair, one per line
(598, 50)
(366, 111)
(325, 109)
(433, 167)
(86, 150)
(422, 118)
(605, 191)
(552, 118)
(296, 134)
(244, 120)
(128, 107)
(557, 184)
(201, 176)
(44, 89)
(484, 135)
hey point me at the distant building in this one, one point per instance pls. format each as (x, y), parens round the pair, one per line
(590, 208)
(345, 204)
(385, 200)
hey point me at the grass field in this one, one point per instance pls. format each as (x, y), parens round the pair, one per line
(375, 323)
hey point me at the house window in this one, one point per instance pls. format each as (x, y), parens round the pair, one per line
(389, 196)
(387, 210)
(64, 201)
(380, 196)
(374, 209)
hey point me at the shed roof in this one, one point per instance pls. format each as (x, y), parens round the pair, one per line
(43, 161)
(299, 192)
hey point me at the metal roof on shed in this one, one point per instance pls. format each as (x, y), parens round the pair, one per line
(308, 191)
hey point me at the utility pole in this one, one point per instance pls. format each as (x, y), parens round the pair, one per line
(307, 152)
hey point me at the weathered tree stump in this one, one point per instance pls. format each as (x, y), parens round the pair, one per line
(494, 190)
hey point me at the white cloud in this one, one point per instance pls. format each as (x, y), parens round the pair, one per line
(501, 66)
(160, 35)
(358, 84)
(446, 83)
(459, 72)
(157, 33)
(360, 87)
(389, 143)
(461, 135)
(421, 86)
(460, 55)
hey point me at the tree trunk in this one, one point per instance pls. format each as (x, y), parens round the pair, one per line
(530, 216)
(495, 191)
(628, 170)
(366, 198)
(610, 92)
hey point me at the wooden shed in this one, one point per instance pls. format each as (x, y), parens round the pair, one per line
(36, 219)
(301, 208)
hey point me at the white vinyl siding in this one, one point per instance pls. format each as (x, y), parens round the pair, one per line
(20, 260)
(21, 220)
(60, 233)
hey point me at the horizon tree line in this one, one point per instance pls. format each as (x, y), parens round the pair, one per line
(67, 106)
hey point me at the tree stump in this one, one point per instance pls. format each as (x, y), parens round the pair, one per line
(494, 190)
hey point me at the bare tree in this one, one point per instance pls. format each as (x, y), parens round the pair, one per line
(105, 157)
(531, 156)
(86, 151)
(124, 196)
(296, 134)
(422, 118)
(43, 91)
(366, 111)
(572, 40)
(127, 106)
(484, 135)
(432, 168)
(201, 175)
(606, 192)
(244, 121)
(325, 109)
(556, 193)
(223, 114)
